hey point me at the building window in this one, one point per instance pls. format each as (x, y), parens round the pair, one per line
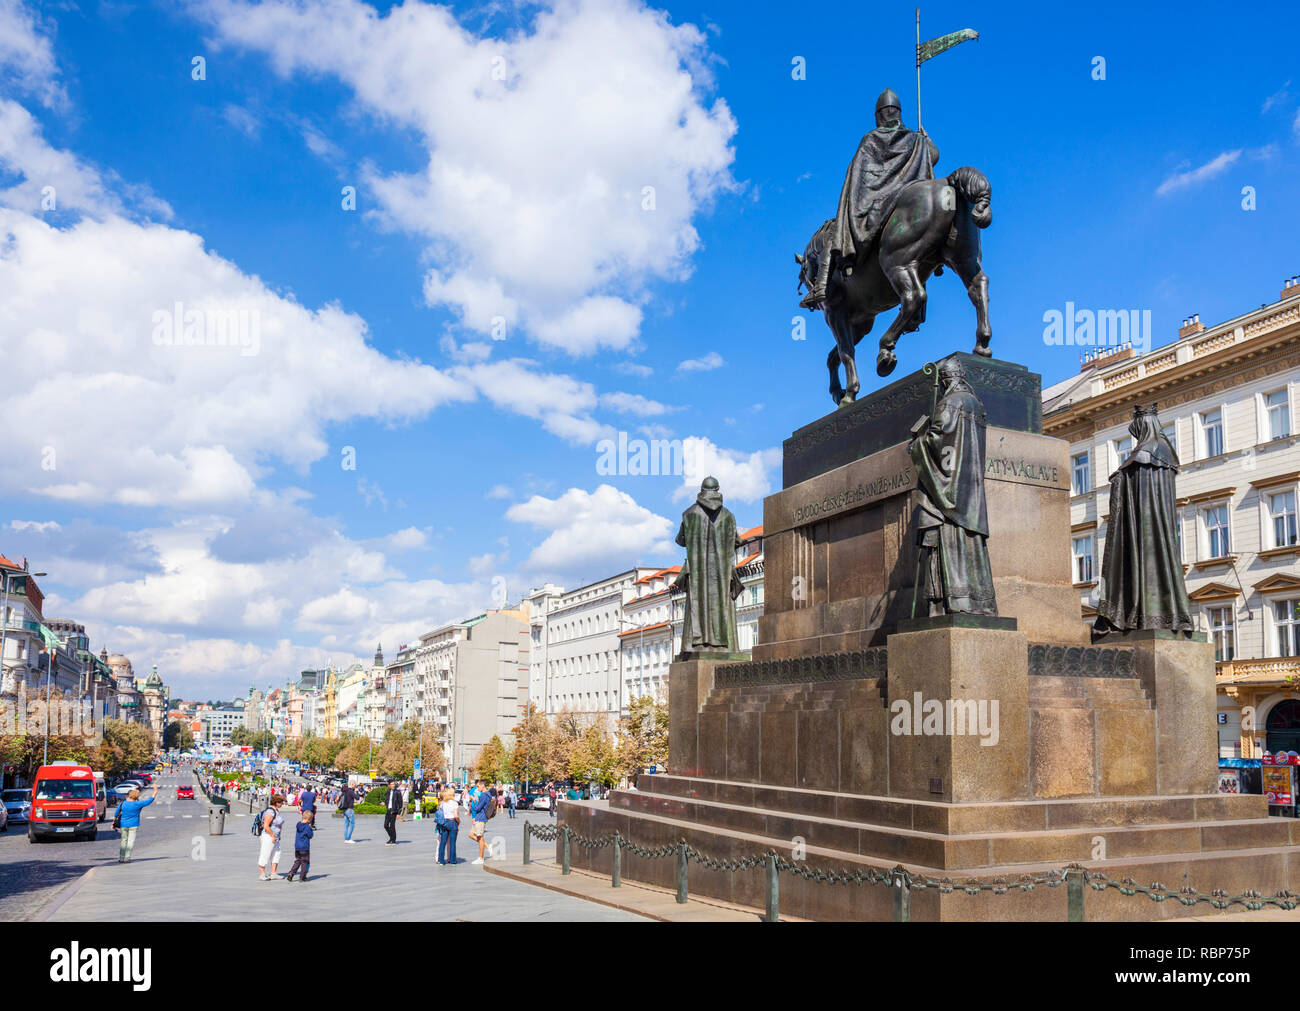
(1178, 534)
(1216, 531)
(1222, 632)
(1123, 448)
(1281, 507)
(1083, 559)
(1081, 474)
(1286, 618)
(1279, 414)
(1170, 432)
(1212, 425)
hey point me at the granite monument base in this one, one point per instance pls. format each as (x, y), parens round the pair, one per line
(969, 753)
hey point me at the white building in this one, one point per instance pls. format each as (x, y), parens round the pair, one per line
(646, 645)
(582, 670)
(1227, 398)
(218, 724)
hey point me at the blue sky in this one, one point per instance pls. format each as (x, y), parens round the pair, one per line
(191, 503)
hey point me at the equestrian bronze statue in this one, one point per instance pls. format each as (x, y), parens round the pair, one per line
(896, 224)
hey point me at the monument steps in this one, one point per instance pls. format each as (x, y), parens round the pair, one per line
(966, 850)
(1267, 869)
(1027, 815)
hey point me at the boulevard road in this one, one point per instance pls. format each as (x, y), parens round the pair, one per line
(32, 874)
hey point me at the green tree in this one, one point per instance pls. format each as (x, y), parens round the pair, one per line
(643, 736)
(493, 761)
(355, 755)
(239, 736)
(178, 735)
(133, 740)
(592, 758)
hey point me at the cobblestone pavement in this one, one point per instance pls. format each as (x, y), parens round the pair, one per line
(215, 878)
(33, 874)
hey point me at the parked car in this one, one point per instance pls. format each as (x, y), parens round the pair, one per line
(184, 793)
(123, 790)
(541, 802)
(17, 805)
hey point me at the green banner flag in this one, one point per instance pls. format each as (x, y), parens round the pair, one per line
(931, 49)
(51, 640)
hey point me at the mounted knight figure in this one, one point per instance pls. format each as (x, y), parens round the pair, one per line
(896, 224)
(888, 158)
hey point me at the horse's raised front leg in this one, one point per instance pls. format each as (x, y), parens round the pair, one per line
(910, 290)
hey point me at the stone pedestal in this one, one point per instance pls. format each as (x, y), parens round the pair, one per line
(1104, 754)
(969, 741)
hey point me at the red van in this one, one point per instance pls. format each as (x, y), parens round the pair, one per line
(63, 803)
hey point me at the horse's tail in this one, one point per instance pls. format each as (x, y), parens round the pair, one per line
(973, 186)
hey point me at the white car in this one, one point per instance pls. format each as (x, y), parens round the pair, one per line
(17, 804)
(542, 802)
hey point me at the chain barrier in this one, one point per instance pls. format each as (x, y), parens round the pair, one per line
(904, 881)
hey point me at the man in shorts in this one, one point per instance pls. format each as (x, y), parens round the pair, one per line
(478, 813)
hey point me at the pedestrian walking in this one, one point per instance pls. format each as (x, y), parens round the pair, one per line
(448, 821)
(303, 832)
(307, 802)
(128, 822)
(392, 809)
(479, 813)
(511, 800)
(347, 803)
(272, 829)
(553, 795)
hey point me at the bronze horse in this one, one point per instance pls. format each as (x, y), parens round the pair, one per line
(935, 222)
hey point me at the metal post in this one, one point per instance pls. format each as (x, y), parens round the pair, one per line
(902, 897)
(528, 842)
(773, 891)
(918, 71)
(564, 850)
(682, 865)
(617, 876)
(49, 673)
(1074, 893)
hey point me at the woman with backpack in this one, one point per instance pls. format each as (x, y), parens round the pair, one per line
(447, 818)
(270, 826)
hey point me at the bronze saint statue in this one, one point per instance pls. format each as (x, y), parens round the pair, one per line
(952, 526)
(708, 533)
(895, 226)
(1142, 583)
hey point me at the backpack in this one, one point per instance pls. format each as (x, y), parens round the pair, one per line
(492, 807)
(258, 826)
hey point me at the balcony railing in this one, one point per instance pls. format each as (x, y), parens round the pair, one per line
(1280, 667)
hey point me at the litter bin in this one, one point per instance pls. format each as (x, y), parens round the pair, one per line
(216, 820)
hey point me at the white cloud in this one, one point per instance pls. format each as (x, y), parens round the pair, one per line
(1192, 177)
(407, 539)
(33, 526)
(633, 369)
(633, 403)
(590, 534)
(711, 361)
(242, 120)
(144, 423)
(500, 491)
(743, 477)
(544, 149)
(26, 56)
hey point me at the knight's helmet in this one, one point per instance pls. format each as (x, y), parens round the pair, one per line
(889, 100)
